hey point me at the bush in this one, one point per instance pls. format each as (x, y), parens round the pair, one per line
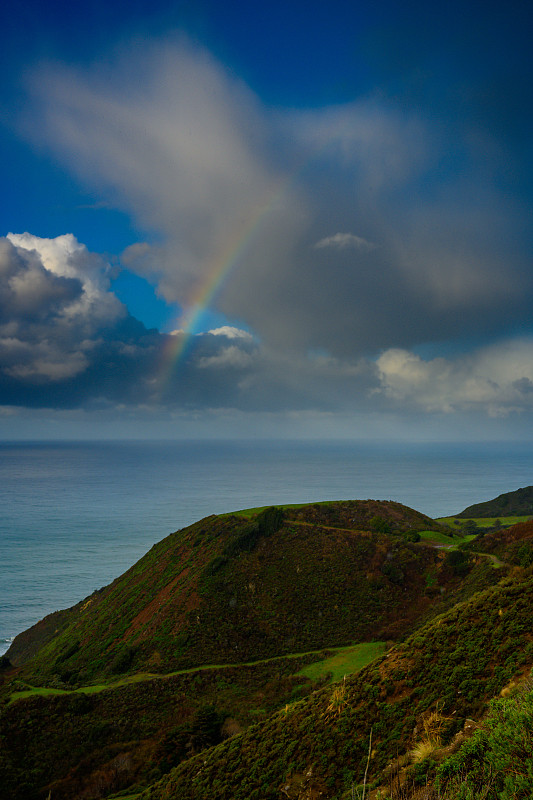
(497, 762)
(458, 561)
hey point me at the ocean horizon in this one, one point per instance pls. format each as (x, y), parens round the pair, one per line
(75, 515)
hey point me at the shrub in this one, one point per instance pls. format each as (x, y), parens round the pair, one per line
(497, 762)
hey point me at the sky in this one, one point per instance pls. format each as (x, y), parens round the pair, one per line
(273, 220)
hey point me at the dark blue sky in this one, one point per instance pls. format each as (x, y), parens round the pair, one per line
(347, 186)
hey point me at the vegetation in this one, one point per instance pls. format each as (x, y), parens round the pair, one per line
(344, 661)
(509, 504)
(497, 762)
(455, 664)
(357, 643)
(236, 588)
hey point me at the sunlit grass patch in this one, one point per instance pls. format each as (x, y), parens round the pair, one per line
(251, 512)
(435, 536)
(345, 661)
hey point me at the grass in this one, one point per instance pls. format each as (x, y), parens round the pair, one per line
(345, 661)
(450, 543)
(35, 691)
(251, 512)
(436, 537)
(481, 522)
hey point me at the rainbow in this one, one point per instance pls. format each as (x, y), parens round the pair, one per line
(217, 270)
(221, 264)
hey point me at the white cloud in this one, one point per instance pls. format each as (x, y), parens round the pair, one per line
(65, 257)
(231, 332)
(497, 380)
(344, 241)
(54, 307)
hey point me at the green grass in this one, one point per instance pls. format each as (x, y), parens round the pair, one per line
(435, 536)
(251, 512)
(451, 543)
(35, 691)
(481, 522)
(345, 661)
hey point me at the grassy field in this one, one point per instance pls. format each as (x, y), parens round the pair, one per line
(345, 661)
(434, 537)
(481, 522)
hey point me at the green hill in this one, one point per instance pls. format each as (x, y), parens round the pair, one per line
(510, 504)
(236, 588)
(204, 670)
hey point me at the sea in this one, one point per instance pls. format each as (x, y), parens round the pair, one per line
(75, 515)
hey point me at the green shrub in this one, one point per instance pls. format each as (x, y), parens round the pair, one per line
(497, 762)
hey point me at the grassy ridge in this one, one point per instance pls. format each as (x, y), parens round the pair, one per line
(519, 502)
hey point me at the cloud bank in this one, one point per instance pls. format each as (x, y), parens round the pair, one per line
(497, 379)
(67, 342)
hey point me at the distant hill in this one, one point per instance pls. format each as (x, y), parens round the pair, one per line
(510, 504)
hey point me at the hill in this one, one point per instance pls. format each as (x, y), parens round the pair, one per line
(236, 588)
(123, 689)
(513, 546)
(509, 504)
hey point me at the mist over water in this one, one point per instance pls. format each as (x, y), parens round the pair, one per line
(76, 515)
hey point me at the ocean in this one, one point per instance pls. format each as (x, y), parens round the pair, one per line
(75, 515)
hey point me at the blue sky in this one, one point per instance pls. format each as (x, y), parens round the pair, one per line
(285, 219)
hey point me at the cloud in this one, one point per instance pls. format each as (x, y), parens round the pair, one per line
(231, 333)
(65, 257)
(228, 357)
(67, 342)
(57, 320)
(175, 139)
(496, 380)
(241, 198)
(342, 241)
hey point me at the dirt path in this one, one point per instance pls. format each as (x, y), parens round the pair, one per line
(495, 560)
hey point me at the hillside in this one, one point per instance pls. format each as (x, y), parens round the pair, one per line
(231, 588)
(509, 504)
(117, 692)
(447, 670)
(514, 546)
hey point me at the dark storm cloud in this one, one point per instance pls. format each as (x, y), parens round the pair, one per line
(189, 149)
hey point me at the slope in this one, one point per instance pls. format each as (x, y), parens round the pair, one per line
(318, 747)
(518, 503)
(112, 710)
(232, 589)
